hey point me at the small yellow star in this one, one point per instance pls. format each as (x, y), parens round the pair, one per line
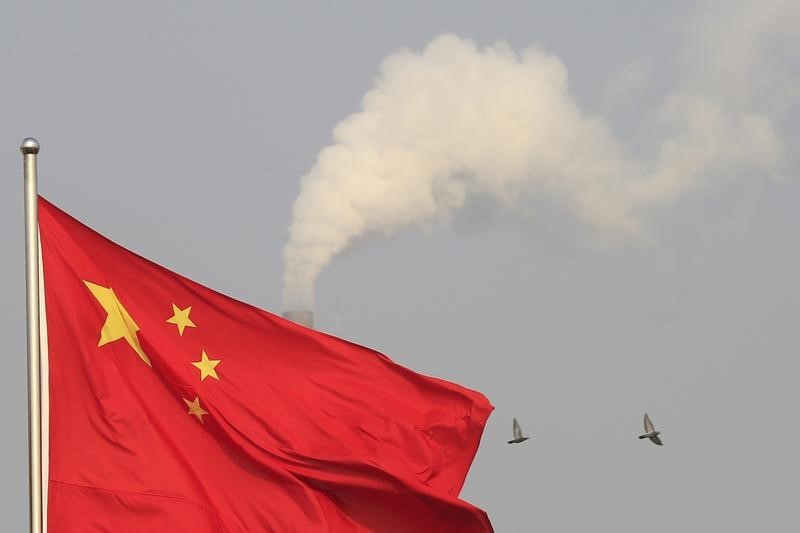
(207, 366)
(180, 317)
(195, 409)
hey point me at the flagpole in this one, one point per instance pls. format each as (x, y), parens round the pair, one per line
(29, 149)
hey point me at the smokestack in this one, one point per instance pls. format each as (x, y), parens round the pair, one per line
(304, 318)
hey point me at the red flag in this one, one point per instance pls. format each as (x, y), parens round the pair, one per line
(175, 408)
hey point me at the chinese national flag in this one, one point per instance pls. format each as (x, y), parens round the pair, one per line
(173, 408)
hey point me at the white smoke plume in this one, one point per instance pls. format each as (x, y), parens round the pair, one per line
(457, 121)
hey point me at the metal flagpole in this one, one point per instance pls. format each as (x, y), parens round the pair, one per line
(29, 149)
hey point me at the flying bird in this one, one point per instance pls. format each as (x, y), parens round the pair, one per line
(517, 434)
(650, 432)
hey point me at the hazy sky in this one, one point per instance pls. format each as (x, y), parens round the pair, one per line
(644, 258)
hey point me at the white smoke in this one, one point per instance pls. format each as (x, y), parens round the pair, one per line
(456, 121)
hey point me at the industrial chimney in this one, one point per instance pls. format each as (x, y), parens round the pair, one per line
(304, 318)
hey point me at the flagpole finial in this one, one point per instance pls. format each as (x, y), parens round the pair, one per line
(29, 146)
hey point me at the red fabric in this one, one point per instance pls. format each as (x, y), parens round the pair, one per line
(304, 432)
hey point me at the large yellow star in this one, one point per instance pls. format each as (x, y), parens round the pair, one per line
(119, 324)
(207, 366)
(180, 317)
(195, 409)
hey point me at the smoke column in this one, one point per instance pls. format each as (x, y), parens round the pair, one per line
(457, 121)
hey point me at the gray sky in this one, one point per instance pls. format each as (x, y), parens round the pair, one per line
(182, 133)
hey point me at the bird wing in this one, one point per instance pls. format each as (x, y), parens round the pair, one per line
(648, 425)
(517, 430)
(655, 439)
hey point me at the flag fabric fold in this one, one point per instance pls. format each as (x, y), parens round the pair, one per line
(176, 408)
